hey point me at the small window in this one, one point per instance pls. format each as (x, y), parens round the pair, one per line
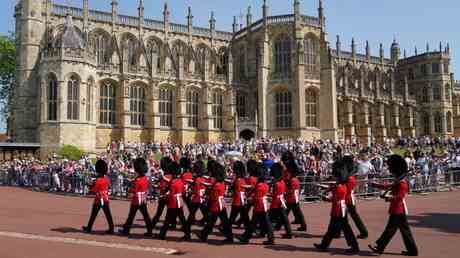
(283, 112)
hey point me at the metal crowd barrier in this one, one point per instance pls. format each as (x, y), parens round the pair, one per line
(78, 183)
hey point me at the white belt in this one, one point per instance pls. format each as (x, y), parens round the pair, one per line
(243, 198)
(141, 197)
(282, 200)
(179, 200)
(265, 203)
(221, 202)
(343, 206)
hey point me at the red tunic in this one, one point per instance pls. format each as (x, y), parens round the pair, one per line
(101, 189)
(216, 198)
(278, 192)
(339, 208)
(176, 189)
(398, 199)
(260, 197)
(293, 193)
(252, 181)
(139, 190)
(239, 193)
(186, 177)
(198, 190)
(351, 184)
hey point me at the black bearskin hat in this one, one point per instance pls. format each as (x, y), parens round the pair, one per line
(239, 169)
(185, 163)
(174, 169)
(140, 166)
(352, 167)
(198, 168)
(211, 167)
(261, 172)
(340, 170)
(165, 163)
(397, 165)
(292, 167)
(252, 167)
(219, 172)
(101, 167)
(276, 171)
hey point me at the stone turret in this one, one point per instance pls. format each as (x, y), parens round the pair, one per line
(395, 52)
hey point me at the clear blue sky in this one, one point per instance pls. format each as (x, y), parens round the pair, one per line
(412, 22)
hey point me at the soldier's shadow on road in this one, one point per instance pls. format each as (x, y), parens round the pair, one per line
(443, 222)
(66, 230)
(332, 251)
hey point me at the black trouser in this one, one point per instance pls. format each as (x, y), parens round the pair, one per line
(132, 214)
(194, 206)
(242, 211)
(95, 211)
(262, 219)
(351, 209)
(336, 225)
(298, 214)
(396, 222)
(247, 209)
(162, 202)
(171, 218)
(279, 216)
(211, 222)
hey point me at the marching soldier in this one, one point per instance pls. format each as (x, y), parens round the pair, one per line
(239, 199)
(293, 194)
(217, 207)
(198, 193)
(398, 209)
(175, 204)
(100, 188)
(163, 187)
(339, 221)
(138, 193)
(260, 215)
(278, 205)
(351, 200)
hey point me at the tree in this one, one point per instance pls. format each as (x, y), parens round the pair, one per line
(7, 73)
(70, 152)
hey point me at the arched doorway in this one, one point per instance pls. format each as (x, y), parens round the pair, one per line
(247, 134)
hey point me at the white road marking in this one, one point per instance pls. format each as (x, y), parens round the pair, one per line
(165, 251)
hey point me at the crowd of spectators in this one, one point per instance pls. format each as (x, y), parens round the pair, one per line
(428, 158)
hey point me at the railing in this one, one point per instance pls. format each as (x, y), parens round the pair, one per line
(281, 19)
(100, 16)
(311, 21)
(77, 183)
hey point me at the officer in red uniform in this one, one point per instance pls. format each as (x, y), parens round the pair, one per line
(217, 207)
(239, 199)
(339, 221)
(138, 192)
(163, 187)
(398, 209)
(350, 198)
(278, 205)
(293, 194)
(187, 179)
(251, 182)
(260, 215)
(198, 193)
(100, 188)
(175, 204)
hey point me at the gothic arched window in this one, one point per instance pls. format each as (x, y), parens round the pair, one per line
(191, 108)
(311, 55)
(282, 57)
(137, 104)
(89, 99)
(311, 107)
(101, 44)
(283, 102)
(241, 104)
(107, 103)
(52, 98)
(166, 110)
(449, 121)
(438, 123)
(217, 108)
(73, 98)
(436, 92)
(153, 55)
(448, 92)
